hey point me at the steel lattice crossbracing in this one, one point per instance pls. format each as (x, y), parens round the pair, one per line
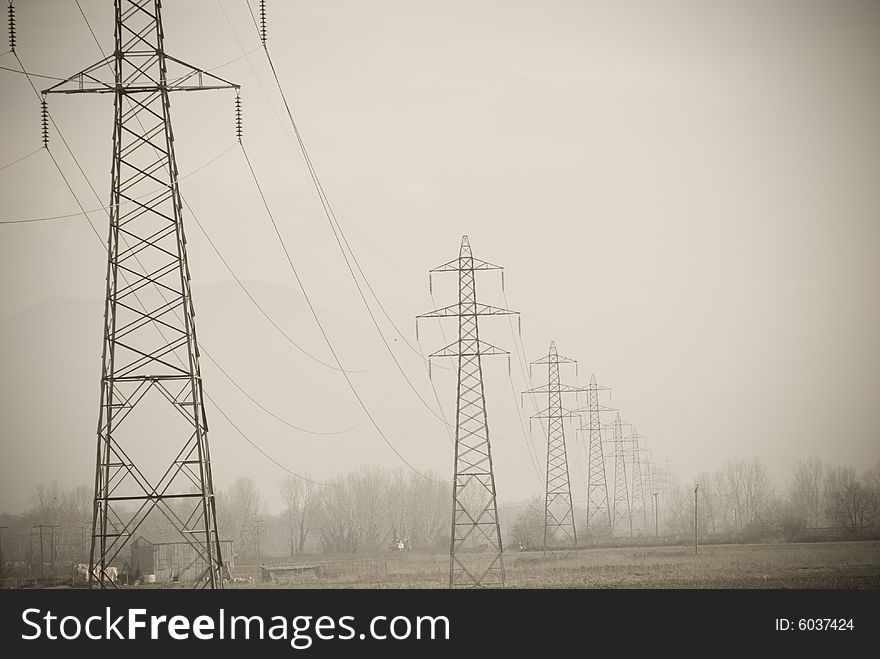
(559, 521)
(621, 512)
(598, 511)
(639, 503)
(476, 552)
(151, 383)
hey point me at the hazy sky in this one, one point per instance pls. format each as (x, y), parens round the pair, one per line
(684, 196)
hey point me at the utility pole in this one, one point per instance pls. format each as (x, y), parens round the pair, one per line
(149, 346)
(696, 487)
(559, 522)
(474, 506)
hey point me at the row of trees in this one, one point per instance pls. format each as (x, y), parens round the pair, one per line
(740, 501)
(371, 509)
(368, 509)
(824, 495)
(54, 531)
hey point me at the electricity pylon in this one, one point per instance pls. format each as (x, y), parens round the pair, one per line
(657, 481)
(559, 522)
(152, 452)
(474, 509)
(638, 504)
(621, 512)
(598, 510)
(661, 477)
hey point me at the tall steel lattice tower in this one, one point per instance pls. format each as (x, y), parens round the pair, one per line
(152, 452)
(639, 505)
(598, 510)
(474, 509)
(621, 513)
(559, 522)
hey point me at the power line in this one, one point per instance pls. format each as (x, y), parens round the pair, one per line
(337, 232)
(216, 249)
(282, 419)
(519, 349)
(28, 74)
(320, 324)
(210, 241)
(214, 361)
(257, 447)
(311, 307)
(84, 213)
(48, 218)
(18, 160)
(329, 213)
(260, 308)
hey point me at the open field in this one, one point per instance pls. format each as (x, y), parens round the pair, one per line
(841, 565)
(808, 565)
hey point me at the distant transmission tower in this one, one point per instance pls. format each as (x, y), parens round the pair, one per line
(559, 522)
(621, 512)
(474, 508)
(598, 510)
(662, 480)
(152, 452)
(639, 499)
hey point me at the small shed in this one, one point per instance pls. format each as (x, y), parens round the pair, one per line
(172, 562)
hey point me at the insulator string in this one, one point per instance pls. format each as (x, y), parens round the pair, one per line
(238, 125)
(11, 26)
(44, 121)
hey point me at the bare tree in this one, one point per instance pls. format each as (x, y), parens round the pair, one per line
(871, 480)
(299, 498)
(241, 509)
(805, 492)
(365, 509)
(748, 488)
(850, 503)
(336, 521)
(528, 525)
(430, 505)
(372, 521)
